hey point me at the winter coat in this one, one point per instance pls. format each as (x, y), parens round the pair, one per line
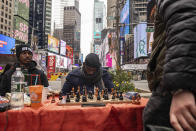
(173, 60)
(172, 63)
(5, 85)
(75, 79)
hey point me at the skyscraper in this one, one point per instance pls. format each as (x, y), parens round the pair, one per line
(71, 29)
(58, 15)
(99, 11)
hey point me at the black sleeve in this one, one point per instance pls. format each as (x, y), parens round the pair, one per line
(180, 60)
(44, 79)
(107, 79)
(67, 85)
(5, 85)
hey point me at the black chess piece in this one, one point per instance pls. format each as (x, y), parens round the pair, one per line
(72, 96)
(53, 99)
(113, 96)
(90, 95)
(106, 94)
(60, 97)
(117, 94)
(98, 96)
(67, 99)
(84, 99)
(121, 96)
(77, 97)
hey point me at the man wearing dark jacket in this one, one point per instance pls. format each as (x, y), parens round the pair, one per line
(91, 74)
(172, 67)
(28, 66)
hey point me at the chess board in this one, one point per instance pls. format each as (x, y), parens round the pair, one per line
(94, 100)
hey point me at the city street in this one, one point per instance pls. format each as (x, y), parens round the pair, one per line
(143, 85)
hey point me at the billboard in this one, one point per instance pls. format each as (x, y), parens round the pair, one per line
(51, 65)
(97, 50)
(63, 47)
(53, 44)
(140, 40)
(97, 35)
(6, 44)
(125, 18)
(21, 18)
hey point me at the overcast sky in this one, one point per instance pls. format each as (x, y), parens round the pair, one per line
(86, 10)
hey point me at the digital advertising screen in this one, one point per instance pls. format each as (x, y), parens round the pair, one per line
(6, 44)
(140, 40)
(125, 18)
(63, 47)
(53, 44)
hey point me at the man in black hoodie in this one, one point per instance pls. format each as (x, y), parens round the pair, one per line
(28, 66)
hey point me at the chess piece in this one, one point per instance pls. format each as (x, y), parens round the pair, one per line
(67, 99)
(117, 96)
(77, 97)
(98, 97)
(63, 101)
(90, 95)
(113, 96)
(60, 97)
(78, 90)
(71, 94)
(106, 94)
(121, 96)
(53, 99)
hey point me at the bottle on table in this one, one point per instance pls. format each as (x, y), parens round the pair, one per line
(17, 90)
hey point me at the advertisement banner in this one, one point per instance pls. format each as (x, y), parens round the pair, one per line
(140, 40)
(21, 19)
(53, 44)
(97, 50)
(6, 44)
(124, 18)
(51, 65)
(109, 60)
(63, 47)
(97, 35)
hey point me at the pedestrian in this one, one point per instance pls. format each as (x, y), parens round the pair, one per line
(7, 67)
(91, 74)
(24, 56)
(171, 71)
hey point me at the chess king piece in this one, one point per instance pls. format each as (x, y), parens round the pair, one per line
(121, 96)
(77, 97)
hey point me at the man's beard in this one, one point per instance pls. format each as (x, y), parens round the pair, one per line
(94, 78)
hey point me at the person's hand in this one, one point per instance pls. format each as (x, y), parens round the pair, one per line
(183, 111)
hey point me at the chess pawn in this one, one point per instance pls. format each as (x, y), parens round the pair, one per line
(67, 99)
(102, 93)
(78, 90)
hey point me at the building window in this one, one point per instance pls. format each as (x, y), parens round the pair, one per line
(5, 27)
(1, 19)
(6, 2)
(10, 11)
(5, 15)
(1, 32)
(2, 13)
(98, 20)
(3, 1)
(9, 23)
(5, 21)
(9, 16)
(2, 7)
(10, 4)
(1, 26)
(9, 29)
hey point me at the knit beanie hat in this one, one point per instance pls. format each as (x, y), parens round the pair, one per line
(92, 60)
(21, 48)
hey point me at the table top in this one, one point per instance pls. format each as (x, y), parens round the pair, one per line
(52, 117)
